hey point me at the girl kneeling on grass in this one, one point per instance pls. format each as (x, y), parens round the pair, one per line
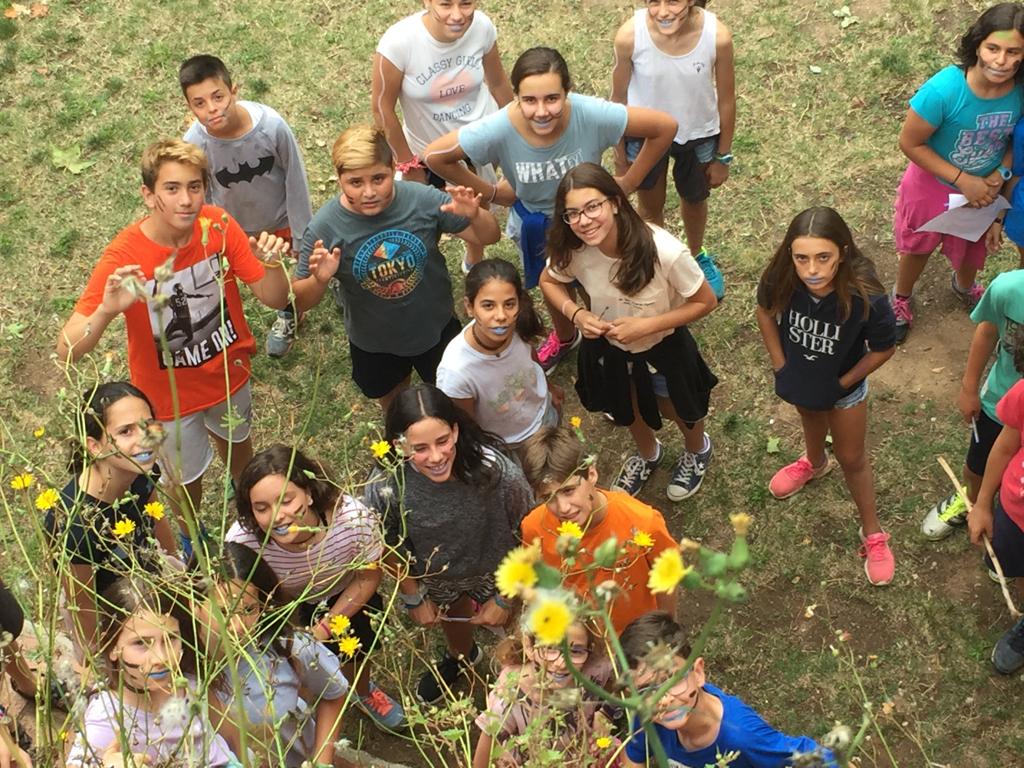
(143, 716)
(287, 690)
(452, 507)
(324, 547)
(101, 525)
(826, 322)
(530, 703)
(489, 370)
(638, 361)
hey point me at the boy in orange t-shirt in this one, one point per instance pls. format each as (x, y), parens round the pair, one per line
(559, 472)
(173, 275)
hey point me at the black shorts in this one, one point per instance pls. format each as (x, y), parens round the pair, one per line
(377, 373)
(439, 183)
(1007, 541)
(978, 451)
(361, 626)
(688, 175)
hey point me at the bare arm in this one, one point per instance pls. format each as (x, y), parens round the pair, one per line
(771, 338)
(81, 333)
(496, 78)
(444, 156)
(725, 87)
(913, 141)
(467, 404)
(328, 724)
(979, 519)
(385, 87)
(322, 266)
(354, 597)
(622, 71)
(983, 344)
(658, 129)
(482, 753)
(557, 295)
(871, 362)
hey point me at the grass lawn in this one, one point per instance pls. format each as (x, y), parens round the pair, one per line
(820, 107)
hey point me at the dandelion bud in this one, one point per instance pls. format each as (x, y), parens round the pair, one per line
(607, 553)
(165, 271)
(838, 738)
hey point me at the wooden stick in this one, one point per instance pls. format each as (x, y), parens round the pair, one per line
(988, 545)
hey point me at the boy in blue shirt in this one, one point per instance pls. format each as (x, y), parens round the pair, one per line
(696, 722)
(256, 169)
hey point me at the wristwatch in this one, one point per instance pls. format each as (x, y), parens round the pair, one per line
(723, 159)
(1005, 172)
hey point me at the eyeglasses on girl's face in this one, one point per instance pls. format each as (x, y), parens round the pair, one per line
(591, 209)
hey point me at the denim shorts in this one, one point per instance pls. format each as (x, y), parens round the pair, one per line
(689, 160)
(858, 396)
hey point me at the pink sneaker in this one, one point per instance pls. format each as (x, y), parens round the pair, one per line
(551, 352)
(879, 564)
(793, 477)
(904, 317)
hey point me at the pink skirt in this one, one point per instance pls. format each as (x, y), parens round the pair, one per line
(920, 198)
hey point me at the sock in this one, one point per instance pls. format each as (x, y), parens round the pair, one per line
(706, 444)
(657, 455)
(900, 296)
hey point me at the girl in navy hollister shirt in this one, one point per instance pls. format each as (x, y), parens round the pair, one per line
(827, 323)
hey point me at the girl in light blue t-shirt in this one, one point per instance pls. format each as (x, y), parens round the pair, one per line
(546, 132)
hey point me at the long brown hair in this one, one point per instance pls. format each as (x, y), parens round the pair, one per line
(854, 276)
(634, 239)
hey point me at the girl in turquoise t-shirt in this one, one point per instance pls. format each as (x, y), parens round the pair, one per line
(956, 135)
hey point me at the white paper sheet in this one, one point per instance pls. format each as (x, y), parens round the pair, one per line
(961, 221)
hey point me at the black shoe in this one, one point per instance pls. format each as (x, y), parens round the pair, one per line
(635, 471)
(1008, 655)
(438, 680)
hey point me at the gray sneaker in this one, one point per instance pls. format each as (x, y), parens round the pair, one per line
(636, 471)
(1008, 655)
(689, 473)
(282, 334)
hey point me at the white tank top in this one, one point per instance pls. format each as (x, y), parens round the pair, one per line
(683, 86)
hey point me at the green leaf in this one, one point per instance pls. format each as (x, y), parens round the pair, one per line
(773, 445)
(547, 577)
(70, 159)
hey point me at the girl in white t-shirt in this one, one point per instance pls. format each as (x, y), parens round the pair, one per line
(442, 66)
(490, 370)
(638, 362)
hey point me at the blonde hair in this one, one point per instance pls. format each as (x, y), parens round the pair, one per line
(172, 151)
(360, 146)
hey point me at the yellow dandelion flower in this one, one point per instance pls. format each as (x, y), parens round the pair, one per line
(603, 742)
(575, 422)
(23, 481)
(154, 509)
(339, 625)
(666, 573)
(569, 528)
(380, 449)
(47, 499)
(514, 576)
(740, 523)
(549, 618)
(123, 527)
(349, 645)
(643, 539)
(38, 432)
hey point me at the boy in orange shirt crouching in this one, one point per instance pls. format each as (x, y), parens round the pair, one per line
(565, 478)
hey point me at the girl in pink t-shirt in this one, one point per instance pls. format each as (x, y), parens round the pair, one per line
(999, 512)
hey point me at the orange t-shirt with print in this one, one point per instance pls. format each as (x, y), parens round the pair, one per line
(200, 318)
(624, 517)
